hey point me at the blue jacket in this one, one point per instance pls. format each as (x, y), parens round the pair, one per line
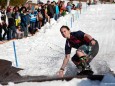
(57, 9)
(23, 19)
(33, 18)
(68, 8)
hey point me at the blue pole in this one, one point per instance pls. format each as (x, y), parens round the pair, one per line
(73, 17)
(86, 6)
(66, 23)
(84, 9)
(77, 14)
(15, 54)
(71, 21)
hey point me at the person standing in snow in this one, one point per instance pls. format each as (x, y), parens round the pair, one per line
(79, 6)
(68, 7)
(87, 48)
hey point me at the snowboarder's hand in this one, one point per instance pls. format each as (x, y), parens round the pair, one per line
(60, 73)
(93, 42)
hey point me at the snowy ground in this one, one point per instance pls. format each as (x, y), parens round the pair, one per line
(43, 53)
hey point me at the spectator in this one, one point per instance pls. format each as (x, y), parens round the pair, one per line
(17, 15)
(11, 22)
(40, 18)
(0, 32)
(0, 26)
(43, 14)
(56, 11)
(68, 7)
(28, 20)
(89, 2)
(4, 27)
(46, 14)
(20, 34)
(50, 10)
(24, 21)
(62, 8)
(73, 7)
(79, 6)
(33, 19)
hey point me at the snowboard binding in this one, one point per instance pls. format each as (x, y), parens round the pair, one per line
(84, 67)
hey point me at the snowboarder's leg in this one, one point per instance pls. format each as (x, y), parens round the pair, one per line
(81, 62)
(83, 57)
(80, 59)
(93, 52)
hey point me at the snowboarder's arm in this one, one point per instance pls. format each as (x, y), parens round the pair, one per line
(65, 61)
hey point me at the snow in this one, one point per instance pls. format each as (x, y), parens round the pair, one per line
(43, 53)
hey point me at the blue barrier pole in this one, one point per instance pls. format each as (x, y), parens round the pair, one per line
(15, 54)
(73, 17)
(86, 6)
(84, 9)
(77, 14)
(71, 21)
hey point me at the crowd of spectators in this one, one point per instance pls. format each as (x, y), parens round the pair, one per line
(17, 22)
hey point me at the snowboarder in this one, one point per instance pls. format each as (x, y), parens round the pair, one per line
(87, 48)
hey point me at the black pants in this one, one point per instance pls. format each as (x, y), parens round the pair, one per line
(0, 32)
(5, 32)
(94, 51)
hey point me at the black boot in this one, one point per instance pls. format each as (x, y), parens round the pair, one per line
(84, 67)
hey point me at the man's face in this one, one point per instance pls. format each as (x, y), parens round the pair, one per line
(65, 33)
